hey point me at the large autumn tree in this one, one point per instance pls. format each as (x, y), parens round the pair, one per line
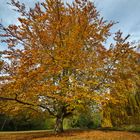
(56, 58)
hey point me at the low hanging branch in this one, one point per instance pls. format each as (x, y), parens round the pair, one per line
(25, 103)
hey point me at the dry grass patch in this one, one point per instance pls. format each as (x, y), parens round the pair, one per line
(94, 135)
(71, 135)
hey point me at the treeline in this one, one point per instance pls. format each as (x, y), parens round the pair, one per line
(27, 120)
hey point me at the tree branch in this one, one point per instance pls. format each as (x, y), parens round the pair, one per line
(26, 103)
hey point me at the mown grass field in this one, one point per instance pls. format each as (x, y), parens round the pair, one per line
(70, 135)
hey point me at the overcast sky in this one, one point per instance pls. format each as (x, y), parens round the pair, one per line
(126, 12)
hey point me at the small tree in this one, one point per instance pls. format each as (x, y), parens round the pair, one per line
(56, 57)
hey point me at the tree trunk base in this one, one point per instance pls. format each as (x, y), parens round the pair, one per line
(59, 125)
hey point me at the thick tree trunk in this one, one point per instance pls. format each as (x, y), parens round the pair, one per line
(59, 124)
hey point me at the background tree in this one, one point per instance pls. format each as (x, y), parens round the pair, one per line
(25, 119)
(125, 110)
(57, 60)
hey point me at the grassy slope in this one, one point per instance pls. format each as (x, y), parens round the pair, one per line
(70, 135)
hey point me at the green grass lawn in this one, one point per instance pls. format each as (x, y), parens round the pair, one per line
(24, 135)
